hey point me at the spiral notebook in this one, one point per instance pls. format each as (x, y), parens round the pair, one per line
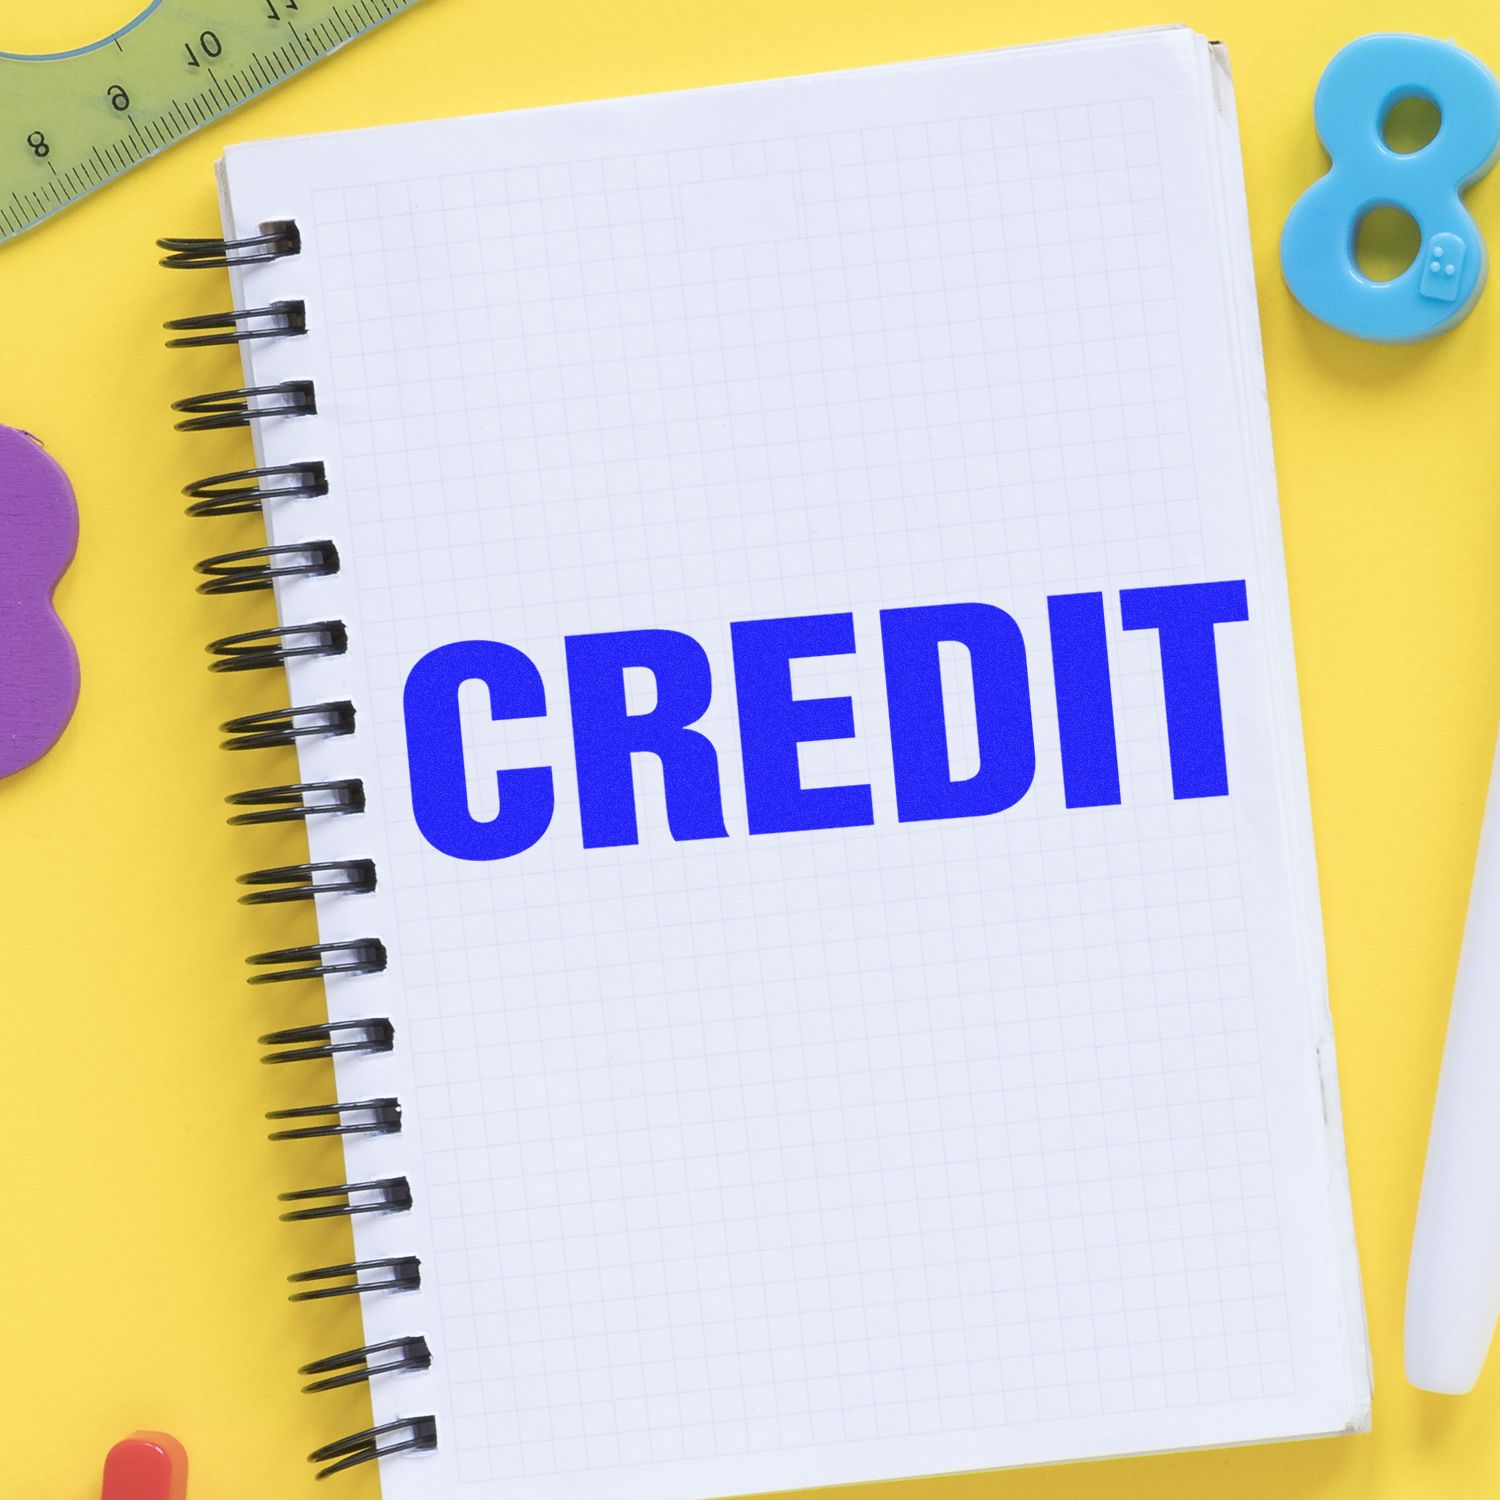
(787, 638)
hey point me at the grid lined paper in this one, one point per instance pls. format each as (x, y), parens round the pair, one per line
(777, 1160)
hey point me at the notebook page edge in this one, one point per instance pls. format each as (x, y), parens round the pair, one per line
(1085, 42)
(1296, 797)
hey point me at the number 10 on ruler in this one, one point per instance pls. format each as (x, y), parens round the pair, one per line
(71, 121)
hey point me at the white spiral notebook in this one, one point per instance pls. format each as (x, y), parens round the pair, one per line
(799, 735)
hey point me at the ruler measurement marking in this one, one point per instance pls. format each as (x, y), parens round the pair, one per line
(76, 86)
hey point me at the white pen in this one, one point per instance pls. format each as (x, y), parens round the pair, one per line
(1453, 1285)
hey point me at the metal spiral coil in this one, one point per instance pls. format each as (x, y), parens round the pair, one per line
(275, 241)
(244, 404)
(251, 570)
(244, 491)
(280, 320)
(297, 802)
(348, 1200)
(335, 877)
(366, 956)
(285, 726)
(258, 650)
(403, 1273)
(255, 569)
(357, 1117)
(357, 1366)
(294, 1044)
(365, 1447)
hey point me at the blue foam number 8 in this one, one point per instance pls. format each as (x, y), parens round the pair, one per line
(1356, 93)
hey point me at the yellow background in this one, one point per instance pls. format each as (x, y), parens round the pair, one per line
(141, 1260)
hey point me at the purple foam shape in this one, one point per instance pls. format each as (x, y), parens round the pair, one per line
(38, 662)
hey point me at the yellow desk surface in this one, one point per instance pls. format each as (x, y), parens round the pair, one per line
(141, 1261)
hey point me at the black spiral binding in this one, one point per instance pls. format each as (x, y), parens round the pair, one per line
(242, 325)
(257, 650)
(247, 490)
(253, 570)
(243, 492)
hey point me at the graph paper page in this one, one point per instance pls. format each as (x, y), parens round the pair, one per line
(779, 1159)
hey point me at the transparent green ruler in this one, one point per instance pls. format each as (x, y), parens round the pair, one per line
(72, 121)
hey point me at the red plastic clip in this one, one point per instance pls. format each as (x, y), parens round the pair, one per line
(146, 1466)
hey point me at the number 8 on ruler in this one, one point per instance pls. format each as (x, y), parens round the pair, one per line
(1356, 93)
